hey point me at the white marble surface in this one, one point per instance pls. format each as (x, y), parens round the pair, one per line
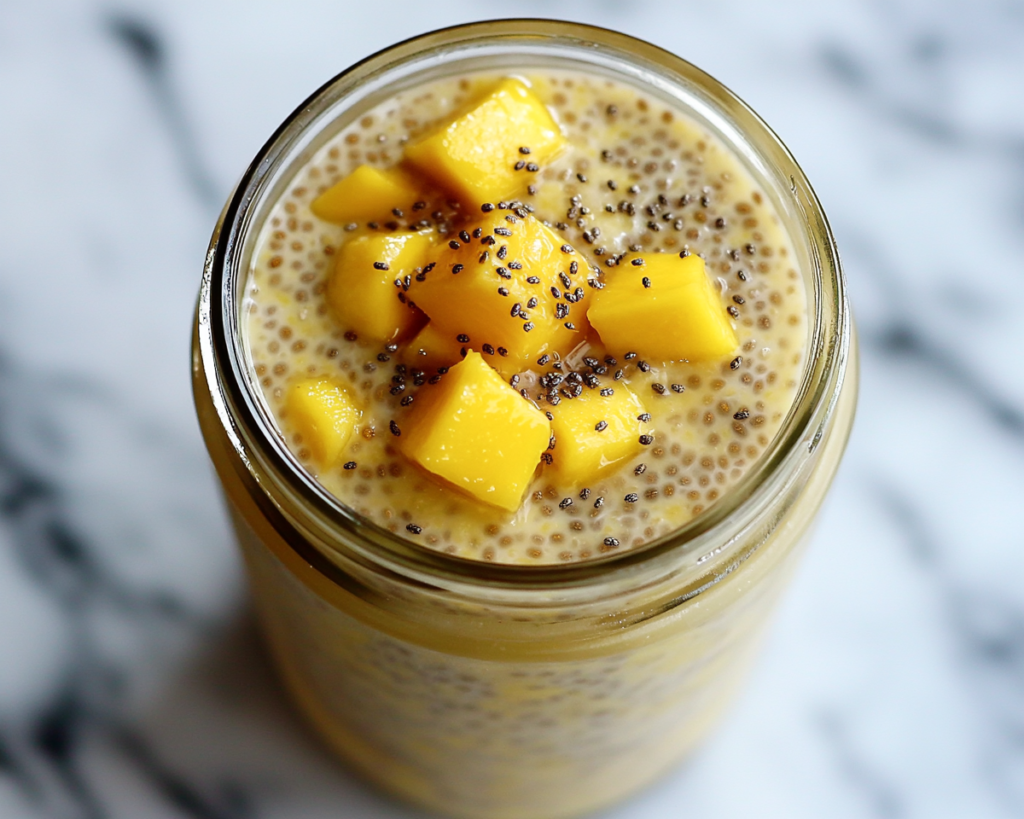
(131, 684)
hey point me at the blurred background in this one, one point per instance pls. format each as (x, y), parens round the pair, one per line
(131, 681)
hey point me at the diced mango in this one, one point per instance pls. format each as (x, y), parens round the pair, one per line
(368, 194)
(477, 433)
(324, 414)
(498, 291)
(664, 308)
(593, 432)
(432, 348)
(475, 155)
(362, 292)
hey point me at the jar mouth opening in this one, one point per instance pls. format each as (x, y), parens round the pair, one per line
(247, 419)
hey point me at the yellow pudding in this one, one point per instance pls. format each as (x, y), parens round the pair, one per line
(637, 221)
(480, 655)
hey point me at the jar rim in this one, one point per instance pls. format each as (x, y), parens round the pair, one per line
(276, 470)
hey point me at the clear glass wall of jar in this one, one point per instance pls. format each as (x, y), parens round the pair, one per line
(494, 691)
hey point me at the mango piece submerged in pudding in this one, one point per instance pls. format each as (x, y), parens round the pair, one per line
(477, 155)
(362, 291)
(512, 290)
(368, 194)
(324, 414)
(431, 349)
(594, 431)
(663, 307)
(477, 433)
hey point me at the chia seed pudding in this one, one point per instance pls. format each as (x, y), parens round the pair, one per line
(639, 178)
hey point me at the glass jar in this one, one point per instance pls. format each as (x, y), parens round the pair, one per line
(491, 691)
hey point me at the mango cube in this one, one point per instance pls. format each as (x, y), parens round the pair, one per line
(362, 291)
(663, 308)
(497, 291)
(476, 154)
(324, 414)
(431, 349)
(593, 432)
(477, 433)
(368, 194)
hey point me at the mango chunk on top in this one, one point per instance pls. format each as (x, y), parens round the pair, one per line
(362, 291)
(475, 155)
(368, 194)
(664, 308)
(514, 291)
(324, 414)
(594, 432)
(477, 433)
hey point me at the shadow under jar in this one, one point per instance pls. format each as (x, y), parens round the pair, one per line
(496, 691)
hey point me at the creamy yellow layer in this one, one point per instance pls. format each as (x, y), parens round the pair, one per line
(639, 177)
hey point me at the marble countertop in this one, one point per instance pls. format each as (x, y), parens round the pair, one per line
(131, 681)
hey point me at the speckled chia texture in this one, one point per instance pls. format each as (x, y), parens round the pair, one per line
(639, 177)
